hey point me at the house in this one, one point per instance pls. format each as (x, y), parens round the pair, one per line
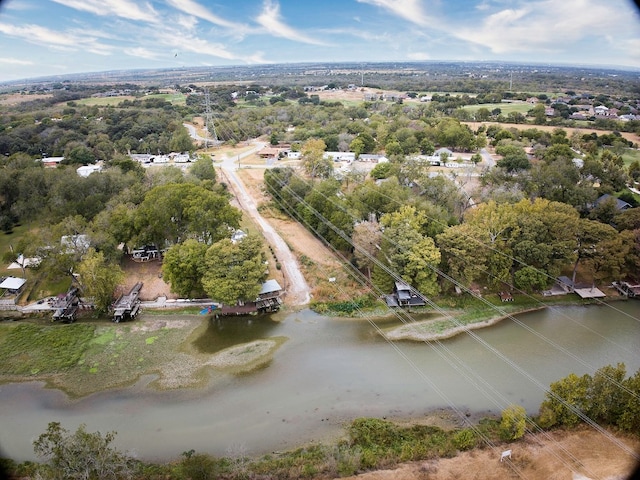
(52, 162)
(620, 204)
(86, 170)
(340, 156)
(505, 296)
(404, 296)
(268, 300)
(439, 153)
(269, 152)
(13, 285)
(373, 158)
(238, 236)
(269, 297)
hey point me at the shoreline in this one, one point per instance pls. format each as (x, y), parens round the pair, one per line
(404, 332)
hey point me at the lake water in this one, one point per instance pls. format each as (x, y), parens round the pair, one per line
(329, 372)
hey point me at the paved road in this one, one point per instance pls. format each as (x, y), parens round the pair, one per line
(298, 291)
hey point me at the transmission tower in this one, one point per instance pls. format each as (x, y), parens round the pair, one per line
(208, 120)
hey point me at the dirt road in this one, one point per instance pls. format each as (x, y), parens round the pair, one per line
(298, 291)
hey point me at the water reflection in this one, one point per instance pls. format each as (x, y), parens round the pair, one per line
(328, 372)
(225, 332)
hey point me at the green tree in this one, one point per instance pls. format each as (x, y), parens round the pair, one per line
(234, 272)
(203, 169)
(513, 158)
(513, 422)
(629, 419)
(381, 170)
(565, 401)
(531, 279)
(183, 265)
(313, 159)
(605, 396)
(99, 279)
(181, 141)
(81, 455)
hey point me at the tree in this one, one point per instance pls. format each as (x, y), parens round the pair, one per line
(183, 265)
(565, 401)
(592, 246)
(313, 159)
(513, 422)
(605, 397)
(514, 158)
(173, 212)
(81, 455)
(381, 170)
(366, 239)
(99, 279)
(530, 279)
(203, 169)
(234, 271)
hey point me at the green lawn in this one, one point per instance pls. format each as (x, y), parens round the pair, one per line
(103, 101)
(174, 98)
(505, 108)
(630, 155)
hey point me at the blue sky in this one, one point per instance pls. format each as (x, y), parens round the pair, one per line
(57, 37)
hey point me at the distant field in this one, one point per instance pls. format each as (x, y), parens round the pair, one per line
(550, 128)
(505, 108)
(174, 98)
(103, 101)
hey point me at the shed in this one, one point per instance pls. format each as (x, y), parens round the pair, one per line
(13, 284)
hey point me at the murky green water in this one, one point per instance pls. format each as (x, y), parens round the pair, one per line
(329, 372)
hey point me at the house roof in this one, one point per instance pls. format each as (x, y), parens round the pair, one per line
(13, 283)
(270, 286)
(620, 204)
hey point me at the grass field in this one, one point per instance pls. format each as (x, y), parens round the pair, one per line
(630, 155)
(174, 98)
(505, 108)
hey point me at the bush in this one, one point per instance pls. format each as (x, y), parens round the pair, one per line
(465, 439)
(513, 423)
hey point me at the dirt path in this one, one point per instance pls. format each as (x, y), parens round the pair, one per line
(579, 455)
(298, 291)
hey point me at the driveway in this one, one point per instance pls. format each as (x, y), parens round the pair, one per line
(298, 291)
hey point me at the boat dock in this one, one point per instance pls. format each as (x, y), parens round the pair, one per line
(626, 289)
(127, 306)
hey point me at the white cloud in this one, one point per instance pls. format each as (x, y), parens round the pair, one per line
(51, 38)
(410, 10)
(121, 8)
(141, 52)
(194, 9)
(190, 43)
(14, 61)
(270, 20)
(545, 25)
(418, 56)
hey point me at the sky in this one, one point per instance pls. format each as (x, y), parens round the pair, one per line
(60, 37)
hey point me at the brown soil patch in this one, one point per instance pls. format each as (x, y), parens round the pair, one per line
(16, 98)
(579, 455)
(150, 274)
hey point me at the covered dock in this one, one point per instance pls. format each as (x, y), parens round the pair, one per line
(127, 306)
